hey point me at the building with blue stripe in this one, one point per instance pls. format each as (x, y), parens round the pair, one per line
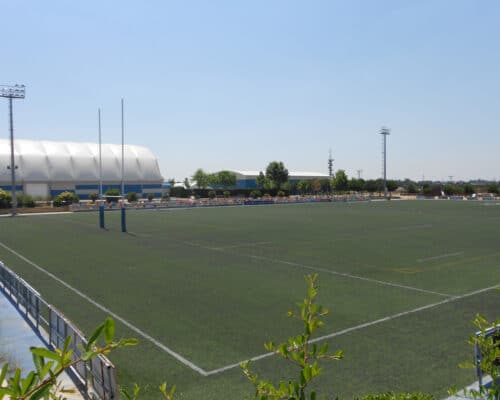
(46, 169)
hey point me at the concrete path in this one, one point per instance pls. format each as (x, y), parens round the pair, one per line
(16, 337)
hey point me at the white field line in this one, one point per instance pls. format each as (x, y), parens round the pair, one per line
(346, 275)
(362, 326)
(317, 269)
(409, 227)
(140, 332)
(421, 260)
(250, 244)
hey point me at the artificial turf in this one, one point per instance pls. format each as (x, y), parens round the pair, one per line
(214, 284)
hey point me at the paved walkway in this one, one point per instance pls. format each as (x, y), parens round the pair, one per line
(16, 337)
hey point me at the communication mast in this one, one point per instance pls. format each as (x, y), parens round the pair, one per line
(330, 164)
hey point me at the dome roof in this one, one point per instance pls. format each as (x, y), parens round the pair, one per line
(44, 161)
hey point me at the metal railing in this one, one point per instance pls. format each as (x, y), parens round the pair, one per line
(95, 378)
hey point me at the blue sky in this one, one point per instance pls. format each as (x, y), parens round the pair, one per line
(233, 84)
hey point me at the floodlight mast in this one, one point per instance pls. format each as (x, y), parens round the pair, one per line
(12, 92)
(384, 132)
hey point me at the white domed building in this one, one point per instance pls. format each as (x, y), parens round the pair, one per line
(46, 168)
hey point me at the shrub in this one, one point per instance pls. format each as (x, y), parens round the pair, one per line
(65, 198)
(212, 194)
(94, 197)
(254, 194)
(5, 199)
(150, 196)
(25, 200)
(226, 193)
(111, 192)
(132, 197)
(281, 193)
(398, 396)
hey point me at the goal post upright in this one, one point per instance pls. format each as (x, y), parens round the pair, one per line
(101, 204)
(123, 215)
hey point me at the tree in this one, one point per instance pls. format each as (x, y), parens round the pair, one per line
(392, 185)
(371, 186)
(341, 181)
(326, 185)
(276, 174)
(469, 189)
(261, 180)
(493, 189)
(187, 184)
(412, 188)
(304, 187)
(226, 178)
(356, 185)
(201, 178)
(315, 185)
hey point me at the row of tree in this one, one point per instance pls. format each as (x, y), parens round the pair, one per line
(275, 179)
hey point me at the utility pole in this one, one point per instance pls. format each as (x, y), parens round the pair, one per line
(384, 132)
(12, 92)
(359, 171)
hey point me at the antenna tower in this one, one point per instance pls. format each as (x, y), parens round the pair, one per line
(330, 164)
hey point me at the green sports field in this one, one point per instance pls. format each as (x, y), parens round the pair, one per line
(203, 289)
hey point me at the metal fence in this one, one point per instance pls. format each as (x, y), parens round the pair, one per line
(493, 332)
(95, 378)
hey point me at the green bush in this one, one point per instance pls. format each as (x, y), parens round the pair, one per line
(65, 199)
(254, 194)
(281, 193)
(132, 197)
(94, 197)
(226, 194)
(398, 396)
(150, 196)
(5, 199)
(212, 194)
(112, 192)
(25, 200)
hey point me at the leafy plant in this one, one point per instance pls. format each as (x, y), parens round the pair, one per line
(5, 199)
(211, 194)
(299, 351)
(93, 197)
(49, 365)
(398, 396)
(489, 348)
(254, 194)
(65, 198)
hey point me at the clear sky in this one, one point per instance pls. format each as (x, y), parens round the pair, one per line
(237, 84)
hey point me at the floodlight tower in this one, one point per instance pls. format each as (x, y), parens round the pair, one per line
(330, 164)
(384, 132)
(12, 92)
(359, 171)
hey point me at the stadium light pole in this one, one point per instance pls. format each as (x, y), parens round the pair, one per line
(12, 92)
(384, 132)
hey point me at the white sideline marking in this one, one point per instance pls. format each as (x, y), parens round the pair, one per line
(361, 326)
(157, 343)
(421, 260)
(250, 244)
(344, 274)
